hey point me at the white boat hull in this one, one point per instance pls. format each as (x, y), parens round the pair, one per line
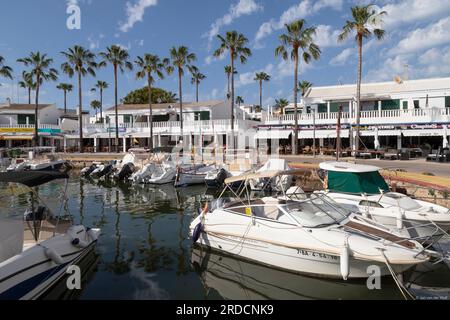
(28, 275)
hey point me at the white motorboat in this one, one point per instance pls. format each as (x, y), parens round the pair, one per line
(312, 235)
(162, 174)
(37, 249)
(103, 170)
(144, 173)
(39, 165)
(125, 168)
(191, 175)
(362, 188)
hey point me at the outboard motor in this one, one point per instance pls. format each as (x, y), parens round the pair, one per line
(126, 171)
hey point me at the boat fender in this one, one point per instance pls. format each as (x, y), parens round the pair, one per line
(79, 243)
(344, 263)
(53, 255)
(197, 232)
(400, 220)
(93, 235)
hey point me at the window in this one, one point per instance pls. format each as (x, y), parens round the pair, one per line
(334, 106)
(390, 104)
(201, 115)
(22, 118)
(127, 118)
(447, 102)
(322, 108)
(416, 104)
(405, 105)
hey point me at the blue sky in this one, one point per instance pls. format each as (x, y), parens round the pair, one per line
(417, 42)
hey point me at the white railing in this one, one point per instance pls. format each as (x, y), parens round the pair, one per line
(370, 117)
(29, 126)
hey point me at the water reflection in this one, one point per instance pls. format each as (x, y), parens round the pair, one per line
(144, 252)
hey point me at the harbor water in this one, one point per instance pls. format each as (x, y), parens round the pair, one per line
(144, 252)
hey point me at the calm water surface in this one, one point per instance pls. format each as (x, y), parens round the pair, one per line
(144, 252)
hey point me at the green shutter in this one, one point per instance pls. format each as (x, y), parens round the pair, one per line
(405, 105)
(322, 108)
(390, 104)
(447, 102)
(22, 118)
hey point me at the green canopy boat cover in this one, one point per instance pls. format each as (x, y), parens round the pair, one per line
(356, 182)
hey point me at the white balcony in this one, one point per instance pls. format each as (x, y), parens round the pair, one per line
(374, 117)
(171, 128)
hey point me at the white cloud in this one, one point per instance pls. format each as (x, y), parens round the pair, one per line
(243, 7)
(247, 78)
(389, 69)
(435, 62)
(326, 36)
(342, 58)
(135, 13)
(209, 59)
(94, 42)
(413, 11)
(299, 11)
(434, 34)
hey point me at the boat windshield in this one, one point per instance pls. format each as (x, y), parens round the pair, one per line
(316, 212)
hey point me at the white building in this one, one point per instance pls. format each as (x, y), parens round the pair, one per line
(395, 114)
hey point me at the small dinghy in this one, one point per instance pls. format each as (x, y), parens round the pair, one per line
(126, 167)
(192, 176)
(43, 165)
(85, 172)
(143, 174)
(37, 248)
(103, 170)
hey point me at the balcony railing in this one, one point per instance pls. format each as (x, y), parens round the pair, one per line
(29, 126)
(369, 117)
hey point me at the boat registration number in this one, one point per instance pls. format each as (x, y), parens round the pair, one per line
(316, 254)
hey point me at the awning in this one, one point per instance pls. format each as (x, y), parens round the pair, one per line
(423, 133)
(16, 137)
(385, 133)
(322, 134)
(273, 134)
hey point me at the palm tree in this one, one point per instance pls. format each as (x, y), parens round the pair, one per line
(95, 104)
(235, 43)
(180, 58)
(260, 77)
(228, 73)
(27, 83)
(100, 86)
(281, 104)
(197, 77)
(304, 86)
(364, 24)
(239, 100)
(41, 71)
(150, 66)
(66, 87)
(5, 71)
(79, 61)
(297, 38)
(118, 58)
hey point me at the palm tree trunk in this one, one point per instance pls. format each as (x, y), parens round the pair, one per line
(228, 83)
(116, 109)
(232, 100)
(150, 142)
(295, 144)
(65, 102)
(196, 89)
(101, 105)
(80, 112)
(358, 94)
(29, 95)
(36, 114)
(180, 92)
(260, 94)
